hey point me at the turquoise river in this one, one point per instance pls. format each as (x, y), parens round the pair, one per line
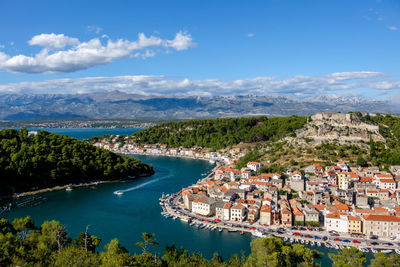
(125, 217)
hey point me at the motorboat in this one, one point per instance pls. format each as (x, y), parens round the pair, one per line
(257, 233)
(387, 251)
(374, 250)
(318, 244)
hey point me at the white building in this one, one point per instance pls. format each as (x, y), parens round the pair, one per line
(238, 212)
(204, 206)
(255, 166)
(336, 222)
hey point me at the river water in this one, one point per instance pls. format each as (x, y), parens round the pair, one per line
(125, 217)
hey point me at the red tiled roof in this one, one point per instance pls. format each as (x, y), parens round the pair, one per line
(386, 218)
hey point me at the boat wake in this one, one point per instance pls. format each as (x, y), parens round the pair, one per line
(121, 192)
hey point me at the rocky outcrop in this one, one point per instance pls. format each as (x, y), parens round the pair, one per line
(328, 126)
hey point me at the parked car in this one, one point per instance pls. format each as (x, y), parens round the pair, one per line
(356, 241)
(346, 240)
(317, 237)
(373, 237)
(374, 243)
(324, 238)
(297, 234)
(308, 236)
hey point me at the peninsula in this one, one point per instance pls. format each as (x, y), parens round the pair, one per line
(38, 160)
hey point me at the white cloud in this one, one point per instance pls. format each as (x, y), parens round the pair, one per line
(392, 28)
(62, 54)
(53, 41)
(250, 34)
(345, 83)
(182, 41)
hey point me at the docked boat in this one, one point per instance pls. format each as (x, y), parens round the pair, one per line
(285, 239)
(232, 230)
(307, 242)
(291, 240)
(220, 229)
(374, 250)
(257, 233)
(387, 251)
(327, 245)
(312, 243)
(191, 224)
(318, 244)
(68, 189)
(336, 246)
(185, 219)
(397, 251)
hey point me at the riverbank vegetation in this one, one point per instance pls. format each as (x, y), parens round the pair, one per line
(219, 133)
(34, 161)
(24, 244)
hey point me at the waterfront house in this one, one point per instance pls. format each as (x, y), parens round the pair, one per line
(286, 213)
(219, 210)
(335, 221)
(265, 215)
(227, 211)
(298, 215)
(311, 215)
(381, 225)
(238, 212)
(355, 225)
(204, 206)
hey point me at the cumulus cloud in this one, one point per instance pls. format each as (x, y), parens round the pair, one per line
(52, 40)
(392, 28)
(62, 54)
(250, 34)
(344, 83)
(182, 41)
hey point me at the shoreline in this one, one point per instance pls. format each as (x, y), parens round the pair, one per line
(163, 155)
(63, 187)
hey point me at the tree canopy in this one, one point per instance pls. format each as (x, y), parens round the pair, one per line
(221, 132)
(30, 162)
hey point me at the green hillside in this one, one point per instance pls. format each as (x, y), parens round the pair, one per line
(221, 132)
(31, 162)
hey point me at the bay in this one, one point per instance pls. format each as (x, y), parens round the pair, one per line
(86, 133)
(137, 210)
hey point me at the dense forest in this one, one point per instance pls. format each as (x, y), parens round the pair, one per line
(30, 162)
(24, 244)
(221, 132)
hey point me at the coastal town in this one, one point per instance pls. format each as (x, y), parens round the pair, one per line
(337, 206)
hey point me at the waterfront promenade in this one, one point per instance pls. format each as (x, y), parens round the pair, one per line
(172, 207)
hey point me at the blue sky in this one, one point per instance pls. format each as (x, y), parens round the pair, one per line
(341, 47)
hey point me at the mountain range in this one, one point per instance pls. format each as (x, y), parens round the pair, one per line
(117, 104)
